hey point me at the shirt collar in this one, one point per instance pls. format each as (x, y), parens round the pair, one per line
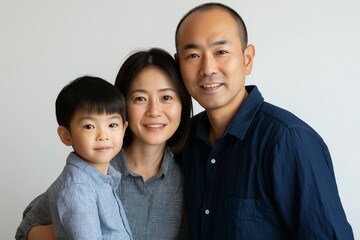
(168, 159)
(242, 120)
(113, 177)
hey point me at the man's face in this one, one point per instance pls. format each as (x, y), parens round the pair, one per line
(212, 61)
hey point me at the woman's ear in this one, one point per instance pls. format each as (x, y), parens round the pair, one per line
(176, 57)
(64, 135)
(249, 54)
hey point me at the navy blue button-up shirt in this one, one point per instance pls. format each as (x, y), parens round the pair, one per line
(269, 176)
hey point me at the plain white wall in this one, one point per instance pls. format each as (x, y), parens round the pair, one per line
(307, 57)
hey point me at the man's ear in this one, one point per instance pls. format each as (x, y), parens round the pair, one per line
(64, 135)
(249, 54)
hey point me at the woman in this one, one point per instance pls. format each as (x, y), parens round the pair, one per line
(159, 110)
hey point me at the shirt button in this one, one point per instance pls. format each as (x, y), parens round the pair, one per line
(207, 211)
(213, 161)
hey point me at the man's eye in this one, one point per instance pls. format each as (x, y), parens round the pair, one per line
(113, 125)
(222, 52)
(89, 126)
(193, 55)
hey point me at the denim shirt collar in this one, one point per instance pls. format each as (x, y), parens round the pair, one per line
(113, 177)
(242, 120)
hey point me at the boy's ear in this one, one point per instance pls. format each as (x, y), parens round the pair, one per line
(64, 135)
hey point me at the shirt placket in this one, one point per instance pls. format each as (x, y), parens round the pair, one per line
(211, 168)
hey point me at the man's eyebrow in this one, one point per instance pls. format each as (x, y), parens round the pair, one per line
(191, 46)
(196, 46)
(220, 42)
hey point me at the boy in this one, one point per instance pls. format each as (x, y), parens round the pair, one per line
(92, 119)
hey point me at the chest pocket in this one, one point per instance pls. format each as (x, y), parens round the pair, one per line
(244, 219)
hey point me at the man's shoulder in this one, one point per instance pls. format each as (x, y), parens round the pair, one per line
(282, 119)
(281, 115)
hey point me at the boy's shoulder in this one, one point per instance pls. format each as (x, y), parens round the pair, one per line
(70, 176)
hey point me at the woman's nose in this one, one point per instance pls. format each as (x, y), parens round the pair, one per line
(154, 108)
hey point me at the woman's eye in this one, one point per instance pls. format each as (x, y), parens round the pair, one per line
(140, 99)
(167, 98)
(113, 125)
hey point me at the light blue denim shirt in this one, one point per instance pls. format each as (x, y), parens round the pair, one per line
(155, 208)
(84, 204)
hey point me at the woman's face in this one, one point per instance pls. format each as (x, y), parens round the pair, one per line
(153, 107)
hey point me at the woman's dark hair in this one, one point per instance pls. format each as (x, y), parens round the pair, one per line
(161, 59)
(91, 94)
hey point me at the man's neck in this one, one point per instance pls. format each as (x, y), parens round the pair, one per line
(220, 118)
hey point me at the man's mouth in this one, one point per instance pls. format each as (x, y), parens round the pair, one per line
(211, 85)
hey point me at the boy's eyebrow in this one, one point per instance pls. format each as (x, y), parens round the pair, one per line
(196, 46)
(111, 116)
(115, 116)
(86, 117)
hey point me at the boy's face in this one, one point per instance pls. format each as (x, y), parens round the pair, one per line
(96, 138)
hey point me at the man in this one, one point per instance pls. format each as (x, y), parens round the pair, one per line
(251, 169)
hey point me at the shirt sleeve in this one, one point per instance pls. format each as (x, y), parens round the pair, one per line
(304, 187)
(36, 213)
(75, 213)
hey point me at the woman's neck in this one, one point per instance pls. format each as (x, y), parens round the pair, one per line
(144, 160)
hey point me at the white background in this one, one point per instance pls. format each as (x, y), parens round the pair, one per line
(307, 57)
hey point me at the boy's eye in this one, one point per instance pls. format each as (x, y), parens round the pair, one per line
(89, 126)
(113, 125)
